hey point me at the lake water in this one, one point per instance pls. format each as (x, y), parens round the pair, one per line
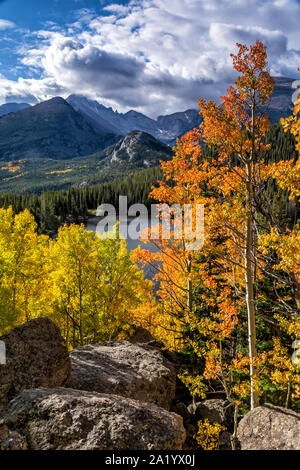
(132, 243)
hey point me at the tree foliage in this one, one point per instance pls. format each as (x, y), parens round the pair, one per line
(87, 285)
(244, 280)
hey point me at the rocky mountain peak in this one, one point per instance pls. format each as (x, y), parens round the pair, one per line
(138, 146)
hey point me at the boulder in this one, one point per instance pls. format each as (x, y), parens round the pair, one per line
(270, 427)
(131, 370)
(215, 410)
(11, 440)
(66, 419)
(36, 356)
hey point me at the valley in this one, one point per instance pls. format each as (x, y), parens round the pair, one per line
(135, 151)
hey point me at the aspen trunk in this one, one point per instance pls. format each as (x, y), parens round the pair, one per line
(249, 265)
(189, 287)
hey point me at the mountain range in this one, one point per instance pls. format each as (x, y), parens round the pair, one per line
(61, 142)
(168, 128)
(165, 128)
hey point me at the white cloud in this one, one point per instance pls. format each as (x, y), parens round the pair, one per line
(117, 8)
(227, 34)
(158, 56)
(5, 24)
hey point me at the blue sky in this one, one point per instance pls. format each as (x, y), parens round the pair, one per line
(35, 12)
(35, 16)
(155, 56)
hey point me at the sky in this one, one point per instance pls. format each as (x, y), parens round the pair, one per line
(154, 56)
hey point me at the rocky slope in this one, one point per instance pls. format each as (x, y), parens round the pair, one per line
(140, 148)
(42, 415)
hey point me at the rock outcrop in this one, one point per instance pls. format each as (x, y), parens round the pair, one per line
(270, 427)
(65, 419)
(36, 356)
(122, 368)
(139, 147)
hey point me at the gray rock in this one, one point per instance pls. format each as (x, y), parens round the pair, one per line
(36, 356)
(139, 147)
(270, 427)
(66, 419)
(215, 410)
(11, 440)
(121, 368)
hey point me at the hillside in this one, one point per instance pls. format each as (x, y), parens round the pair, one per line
(135, 151)
(52, 129)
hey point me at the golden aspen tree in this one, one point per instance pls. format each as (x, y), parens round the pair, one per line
(22, 260)
(237, 128)
(94, 286)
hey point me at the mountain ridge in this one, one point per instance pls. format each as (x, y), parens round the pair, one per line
(51, 129)
(166, 128)
(54, 141)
